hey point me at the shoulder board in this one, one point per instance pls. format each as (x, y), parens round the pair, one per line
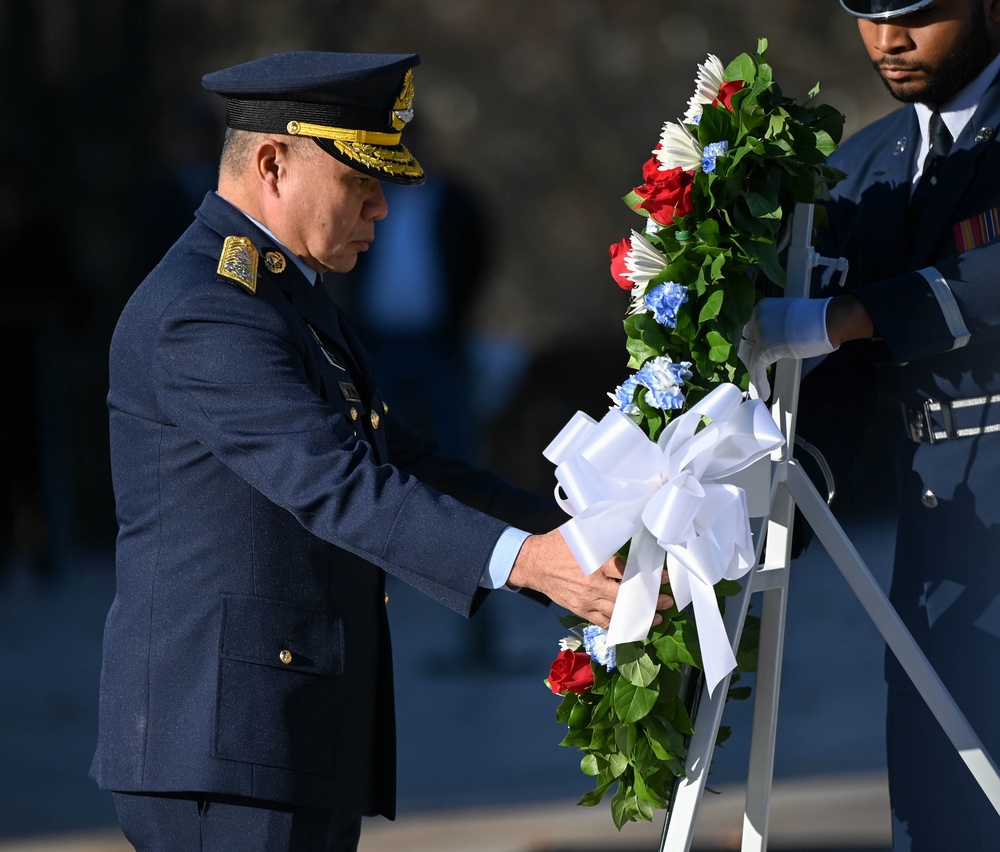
(239, 262)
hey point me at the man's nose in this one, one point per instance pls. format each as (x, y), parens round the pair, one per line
(376, 207)
(890, 38)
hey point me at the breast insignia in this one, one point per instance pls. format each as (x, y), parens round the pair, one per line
(239, 262)
(275, 262)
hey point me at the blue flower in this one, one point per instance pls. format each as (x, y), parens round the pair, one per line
(664, 300)
(622, 397)
(663, 379)
(710, 153)
(595, 643)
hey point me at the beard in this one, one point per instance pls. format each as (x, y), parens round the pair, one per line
(952, 75)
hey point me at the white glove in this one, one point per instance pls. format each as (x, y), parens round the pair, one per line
(782, 328)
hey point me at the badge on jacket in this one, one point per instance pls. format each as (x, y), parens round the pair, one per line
(239, 262)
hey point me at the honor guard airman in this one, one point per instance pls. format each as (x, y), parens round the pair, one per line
(917, 218)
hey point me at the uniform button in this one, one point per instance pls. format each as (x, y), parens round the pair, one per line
(385, 408)
(929, 499)
(375, 420)
(387, 599)
(354, 413)
(285, 656)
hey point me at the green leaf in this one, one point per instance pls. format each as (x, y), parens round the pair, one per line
(633, 200)
(713, 304)
(577, 738)
(743, 68)
(572, 622)
(588, 766)
(595, 796)
(570, 700)
(632, 702)
(675, 650)
(617, 764)
(666, 741)
(635, 664)
(640, 352)
(579, 715)
(720, 347)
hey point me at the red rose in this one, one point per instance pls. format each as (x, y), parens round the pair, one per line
(666, 194)
(726, 94)
(571, 672)
(618, 252)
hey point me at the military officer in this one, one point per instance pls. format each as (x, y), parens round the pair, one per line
(917, 217)
(264, 488)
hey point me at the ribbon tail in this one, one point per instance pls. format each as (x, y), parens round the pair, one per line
(640, 588)
(717, 655)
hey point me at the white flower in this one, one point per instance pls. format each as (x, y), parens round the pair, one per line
(570, 643)
(643, 262)
(707, 85)
(678, 148)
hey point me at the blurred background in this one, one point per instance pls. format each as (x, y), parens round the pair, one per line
(533, 118)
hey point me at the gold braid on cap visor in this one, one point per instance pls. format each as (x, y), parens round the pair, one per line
(343, 134)
(372, 148)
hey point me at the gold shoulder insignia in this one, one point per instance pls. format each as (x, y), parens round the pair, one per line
(239, 262)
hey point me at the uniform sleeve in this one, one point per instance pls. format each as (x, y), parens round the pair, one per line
(952, 304)
(239, 388)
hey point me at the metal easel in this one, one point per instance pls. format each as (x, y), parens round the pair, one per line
(790, 487)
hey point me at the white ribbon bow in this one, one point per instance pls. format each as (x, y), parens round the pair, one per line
(673, 500)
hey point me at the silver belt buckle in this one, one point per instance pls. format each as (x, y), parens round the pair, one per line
(915, 422)
(920, 426)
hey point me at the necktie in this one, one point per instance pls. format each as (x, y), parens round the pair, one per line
(940, 146)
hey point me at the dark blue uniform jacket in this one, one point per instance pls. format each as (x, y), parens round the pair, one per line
(263, 490)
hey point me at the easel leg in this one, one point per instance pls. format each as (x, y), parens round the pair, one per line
(679, 824)
(772, 580)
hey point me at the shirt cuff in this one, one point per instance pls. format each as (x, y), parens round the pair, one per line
(502, 559)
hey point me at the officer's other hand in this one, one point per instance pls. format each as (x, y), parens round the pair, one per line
(783, 328)
(546, 565)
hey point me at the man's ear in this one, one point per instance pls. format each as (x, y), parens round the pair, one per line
(270, 164)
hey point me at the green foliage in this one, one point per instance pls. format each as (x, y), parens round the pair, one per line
(633, 726)
(726, 250)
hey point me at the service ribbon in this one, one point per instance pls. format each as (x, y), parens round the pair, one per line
(673, 500)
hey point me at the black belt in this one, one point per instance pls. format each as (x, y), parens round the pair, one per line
(935, 421)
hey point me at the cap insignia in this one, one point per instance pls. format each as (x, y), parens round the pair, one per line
(402, 110)
(239, 262)
(275, 262)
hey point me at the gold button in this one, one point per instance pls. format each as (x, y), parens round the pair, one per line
(292, 127)
(387, 599)
(375, 420)
(385, 408)
(354, 413)
(285, 656)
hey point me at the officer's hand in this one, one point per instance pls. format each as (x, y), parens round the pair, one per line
(783, 328)
(546, 565)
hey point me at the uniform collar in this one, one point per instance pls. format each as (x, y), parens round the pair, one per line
(311, 275)
(957, 112)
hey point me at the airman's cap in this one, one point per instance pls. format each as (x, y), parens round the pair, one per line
(883, 9)
(354, 105)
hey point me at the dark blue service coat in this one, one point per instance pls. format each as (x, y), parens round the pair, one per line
(934, 295)
(263, 490)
